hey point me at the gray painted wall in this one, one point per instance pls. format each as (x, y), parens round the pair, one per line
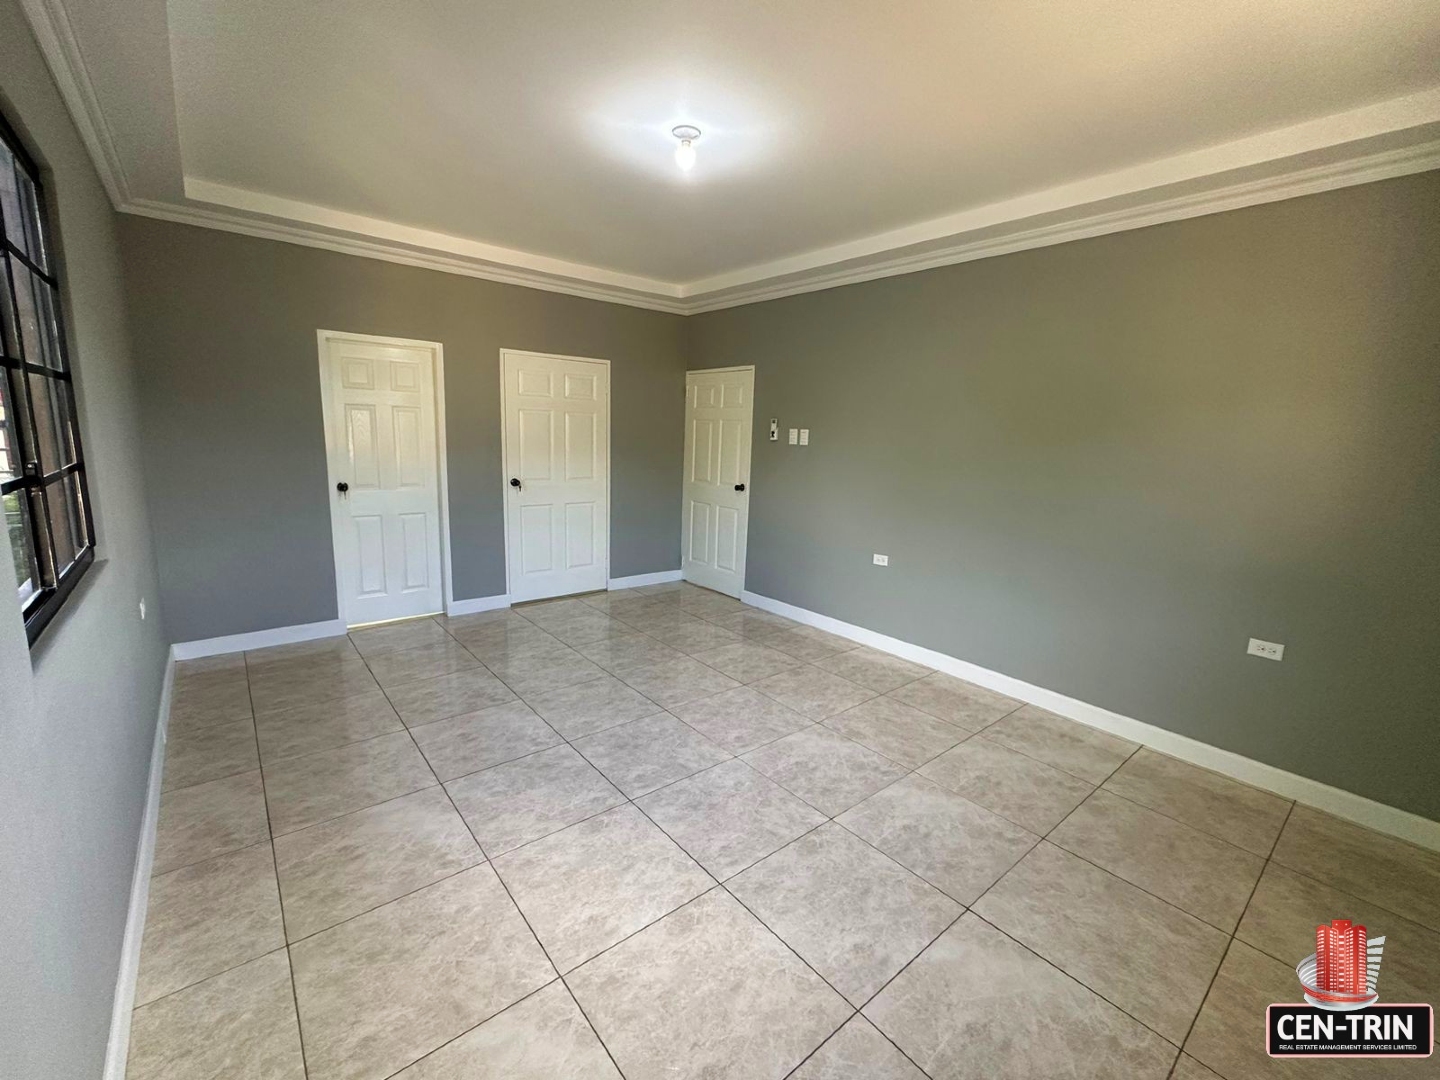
(1101, 467)
(77, 715)
(235, 450)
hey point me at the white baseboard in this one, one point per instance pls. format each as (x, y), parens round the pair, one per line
(634, 581)
(117, 1049)
(1343, 804)
(257, 639)
(477, 605)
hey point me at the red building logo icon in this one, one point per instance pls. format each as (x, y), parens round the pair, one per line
(1340, 974)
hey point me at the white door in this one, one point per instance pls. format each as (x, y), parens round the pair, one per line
(557, 474)
(380, 431)
(717, 478)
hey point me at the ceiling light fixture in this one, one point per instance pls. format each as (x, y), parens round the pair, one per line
(685, 152)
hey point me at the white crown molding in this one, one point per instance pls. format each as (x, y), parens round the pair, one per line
(1375, 142)
(61, 49)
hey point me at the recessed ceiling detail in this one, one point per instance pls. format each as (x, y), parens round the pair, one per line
(538, 143)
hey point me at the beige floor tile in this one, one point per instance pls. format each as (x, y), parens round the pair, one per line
(531, 675)
(1028, 792)
(505, 642)
(806, 643)
(674, 682)
(588, 707)
(848, 911)
(667, 1002)
(892, 728)
(480, 621)
(814, 693)
(531, 797)
(351, 864)
(259, 660)
(398, 637)
(1214, 804)
(1192, 870)
(827, 770)
(1149, 958)
(626, 652)
(696, 636)
(741, 719)
(708, 605)
(306, 790)
(475, 741)
(288, 684)
(325, 725)
(548, 613)
(543, 1037)
(450, 695)
(871, 668)
(195, 755)
(238, 1025)
(1388, 872)
(207, 918)
(975, 1005)
(1281, 917)
(199, 822)
(1070, 747)
(645, 754)
(858, 1052)
(665, 621)
(384, 989)
(209, 697)
(1187, 1068)
(589, 886)
(729, 817)
(747, 661)
(956, 701)
(752, 623)
(188, 670)
(953, 844)
(590, 627)
(392, 669)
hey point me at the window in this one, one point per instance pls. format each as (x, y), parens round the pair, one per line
(42, 471)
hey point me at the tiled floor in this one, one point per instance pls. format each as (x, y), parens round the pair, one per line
(657, 834)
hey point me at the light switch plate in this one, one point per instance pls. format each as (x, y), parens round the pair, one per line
(804, 436)
(774, 429)
(794, 436)
(881, 560)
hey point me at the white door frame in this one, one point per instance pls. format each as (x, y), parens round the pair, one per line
(323, 339)
(750, 451)
(505, 450)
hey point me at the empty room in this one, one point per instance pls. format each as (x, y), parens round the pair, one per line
(649, 541)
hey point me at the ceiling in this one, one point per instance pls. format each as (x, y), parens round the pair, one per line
(842, 139)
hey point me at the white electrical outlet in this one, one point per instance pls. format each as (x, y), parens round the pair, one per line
(881, 560)
(804, 436)
(794, 436)
(1269, 650)
(774, 429)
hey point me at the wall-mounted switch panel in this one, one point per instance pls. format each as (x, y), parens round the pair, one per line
(774, 429)
(794, 436)
(881, 560)
(1269, 650)
(804, 436)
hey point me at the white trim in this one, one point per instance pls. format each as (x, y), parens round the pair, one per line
(477, 605)
(257, 639)
(117, 1048)
(505, 451)
(323, 339)
(1343, 804)
(634, 581)
(56, 38)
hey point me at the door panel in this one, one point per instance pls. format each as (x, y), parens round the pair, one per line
(383, 445)
(717, 459)
(556, 419)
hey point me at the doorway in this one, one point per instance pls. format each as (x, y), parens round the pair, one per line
(556, 436)
(383, 402)
(715, 518)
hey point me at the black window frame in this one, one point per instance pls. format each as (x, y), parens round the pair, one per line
(19, 370)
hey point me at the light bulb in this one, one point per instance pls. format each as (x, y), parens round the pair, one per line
(685, 152)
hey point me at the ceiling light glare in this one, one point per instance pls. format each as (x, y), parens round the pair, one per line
(685, 152)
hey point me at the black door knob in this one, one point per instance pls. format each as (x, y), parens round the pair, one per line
(515, 482)
(739, 487)
(342, 487)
